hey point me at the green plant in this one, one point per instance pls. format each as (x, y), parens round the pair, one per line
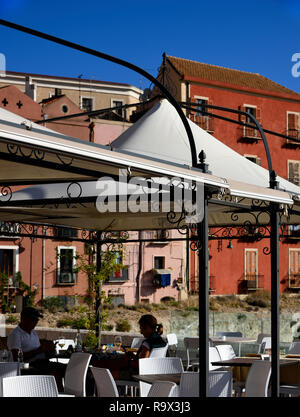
(123, 326)
(96, 297)
(91, 340)
(11, 319)
(64, 322)
(52, 304)
(80, 323)
(259, 299)
(28, 294)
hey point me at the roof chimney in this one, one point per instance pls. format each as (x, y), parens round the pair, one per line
(30, 88)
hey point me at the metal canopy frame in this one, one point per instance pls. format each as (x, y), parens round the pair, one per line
(202, 228)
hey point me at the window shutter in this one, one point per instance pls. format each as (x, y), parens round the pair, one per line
(242, 116)
(296, 173)
(251, 264)
(292, 121)
(294, 262)
(211, 120)
(258, 115)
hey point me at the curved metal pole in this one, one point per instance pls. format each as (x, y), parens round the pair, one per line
(274, 246)
(133, 67)
(272, 173)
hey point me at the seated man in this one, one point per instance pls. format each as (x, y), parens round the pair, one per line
(35, 352)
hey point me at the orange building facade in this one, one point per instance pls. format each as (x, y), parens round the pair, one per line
(241, 265)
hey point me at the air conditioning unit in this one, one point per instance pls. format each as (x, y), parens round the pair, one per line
(66, 277)
(9, 228)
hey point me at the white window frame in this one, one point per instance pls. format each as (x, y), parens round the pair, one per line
(117, 99)
(288, 173)
(90, 98)
(201, 98)
(16, 253)
(287, 118)
(58, 264)
(252, 156)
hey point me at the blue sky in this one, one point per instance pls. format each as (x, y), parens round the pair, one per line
(257, 36)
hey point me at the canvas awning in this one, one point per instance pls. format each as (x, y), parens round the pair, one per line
(160, 134)
(51, 203)
(30, 153)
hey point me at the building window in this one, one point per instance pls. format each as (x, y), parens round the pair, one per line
(199, 117)
(294, 268)
(294, 172)
(253, 158)
(65, 265)
(293, 122)
(118, 103)
(200, 106)
(87, 103)
(9, 263)
(159, 262)
(249, 132)
(251, 269)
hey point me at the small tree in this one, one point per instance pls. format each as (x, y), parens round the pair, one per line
(109, 263)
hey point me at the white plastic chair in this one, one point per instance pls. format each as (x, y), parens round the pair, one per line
(8, 369)
(163, 389)
(291, 389)
(75, 375)
(30, 386)
(189, 384)
(294, 348)
(258, 378)
(150, 366)
(214, 356)
(219, 384)
(192, 349)
(136, 342)
(266, 344)
(160, 352)
(105, 383)
(173, 343)
(226, 352)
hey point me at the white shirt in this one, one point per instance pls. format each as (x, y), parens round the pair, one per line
(19, 339)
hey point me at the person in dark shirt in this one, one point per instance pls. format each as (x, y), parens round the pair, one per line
(152, 332)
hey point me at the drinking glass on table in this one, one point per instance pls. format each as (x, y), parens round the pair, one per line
(61, 344)
(118, 342)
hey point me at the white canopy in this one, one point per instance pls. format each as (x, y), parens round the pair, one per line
(143, 150)
(160, 134)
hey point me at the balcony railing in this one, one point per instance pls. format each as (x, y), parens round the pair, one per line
(295, 134)
(294, 281)
(205, 122)
(66, 278)
(248, 133)
(252, 282)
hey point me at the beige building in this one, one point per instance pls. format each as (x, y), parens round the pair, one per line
(87, 94)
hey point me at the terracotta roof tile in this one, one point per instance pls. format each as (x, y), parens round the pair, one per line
(227, 75)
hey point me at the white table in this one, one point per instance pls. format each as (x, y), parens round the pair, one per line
(228, 340)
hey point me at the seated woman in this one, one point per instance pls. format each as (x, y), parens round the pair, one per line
(152, 333)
